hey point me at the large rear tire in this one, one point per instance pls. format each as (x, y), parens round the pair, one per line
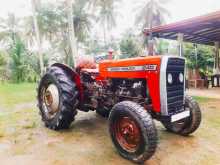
(132, 131)
(189, 125)
(57, 99)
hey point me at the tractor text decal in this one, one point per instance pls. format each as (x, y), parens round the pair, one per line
(133, 68)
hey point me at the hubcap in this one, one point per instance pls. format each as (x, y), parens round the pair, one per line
(51, 100)
(127, 134)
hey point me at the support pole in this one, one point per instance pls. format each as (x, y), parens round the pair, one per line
(150, 47)
(217, 61)
(180, 44)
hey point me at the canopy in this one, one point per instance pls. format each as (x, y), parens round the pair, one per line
(202, 29)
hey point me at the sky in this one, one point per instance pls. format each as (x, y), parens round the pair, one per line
(179, 9)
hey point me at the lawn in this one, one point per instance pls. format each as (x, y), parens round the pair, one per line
(14, 94)
(17, 105)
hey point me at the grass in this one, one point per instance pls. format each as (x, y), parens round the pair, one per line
(201, 98)
(13, 94)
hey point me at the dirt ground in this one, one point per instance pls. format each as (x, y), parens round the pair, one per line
(24, 140)
(210, 93)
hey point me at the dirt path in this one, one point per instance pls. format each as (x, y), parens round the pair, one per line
(26, 141)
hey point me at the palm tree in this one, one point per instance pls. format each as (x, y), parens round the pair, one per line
(35, 4)
(107, 15)
(152, 13)
(82, 20)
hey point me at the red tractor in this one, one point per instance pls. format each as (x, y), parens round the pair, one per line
(130, 92)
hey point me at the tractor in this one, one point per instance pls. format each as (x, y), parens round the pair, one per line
(129, 92)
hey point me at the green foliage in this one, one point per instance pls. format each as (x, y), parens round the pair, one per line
(3, 66)
(21, 66)
(3, 61)
(53, 22)
(204, 60)
(129, 47)
(162, 47)
(53, 25)
(107, 14)
(82, 20)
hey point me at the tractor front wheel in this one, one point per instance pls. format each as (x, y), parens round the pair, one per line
(57, 99)
(132, 131)
(188, 125)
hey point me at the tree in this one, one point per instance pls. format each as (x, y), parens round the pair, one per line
(204, 61)
(129, 47)
(82, 19)
(3, 66)
(35, 3)
(9, 29)
(152, 13)
(17, 53)
(162, 46)
(72, 37)
(107, 15)
(54, 24)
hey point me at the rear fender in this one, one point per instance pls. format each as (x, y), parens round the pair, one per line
(75, 76)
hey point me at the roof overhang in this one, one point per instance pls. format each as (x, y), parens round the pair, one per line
(201, 30)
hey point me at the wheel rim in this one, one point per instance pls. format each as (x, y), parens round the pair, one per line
(127, 133)
(51, 100)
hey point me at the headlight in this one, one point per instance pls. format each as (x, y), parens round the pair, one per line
(181, 77)
(170, 78)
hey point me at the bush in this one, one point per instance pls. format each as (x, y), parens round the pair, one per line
(3, 67)
(129, 47)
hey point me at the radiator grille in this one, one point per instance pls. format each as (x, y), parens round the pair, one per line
(175, 91)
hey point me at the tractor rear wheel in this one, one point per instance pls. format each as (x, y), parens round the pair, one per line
(188, 125)
(132, 131)
(57, 99)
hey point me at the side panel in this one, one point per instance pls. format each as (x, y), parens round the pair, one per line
(147, 68)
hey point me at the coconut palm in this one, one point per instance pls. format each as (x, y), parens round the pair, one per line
(107, 14)
(152, 13)
(54, 25)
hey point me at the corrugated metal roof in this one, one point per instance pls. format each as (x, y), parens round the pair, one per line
(202, 29)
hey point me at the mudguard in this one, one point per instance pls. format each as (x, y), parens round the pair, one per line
(75, 75)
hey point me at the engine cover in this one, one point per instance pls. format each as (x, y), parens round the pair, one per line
(129, 68)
